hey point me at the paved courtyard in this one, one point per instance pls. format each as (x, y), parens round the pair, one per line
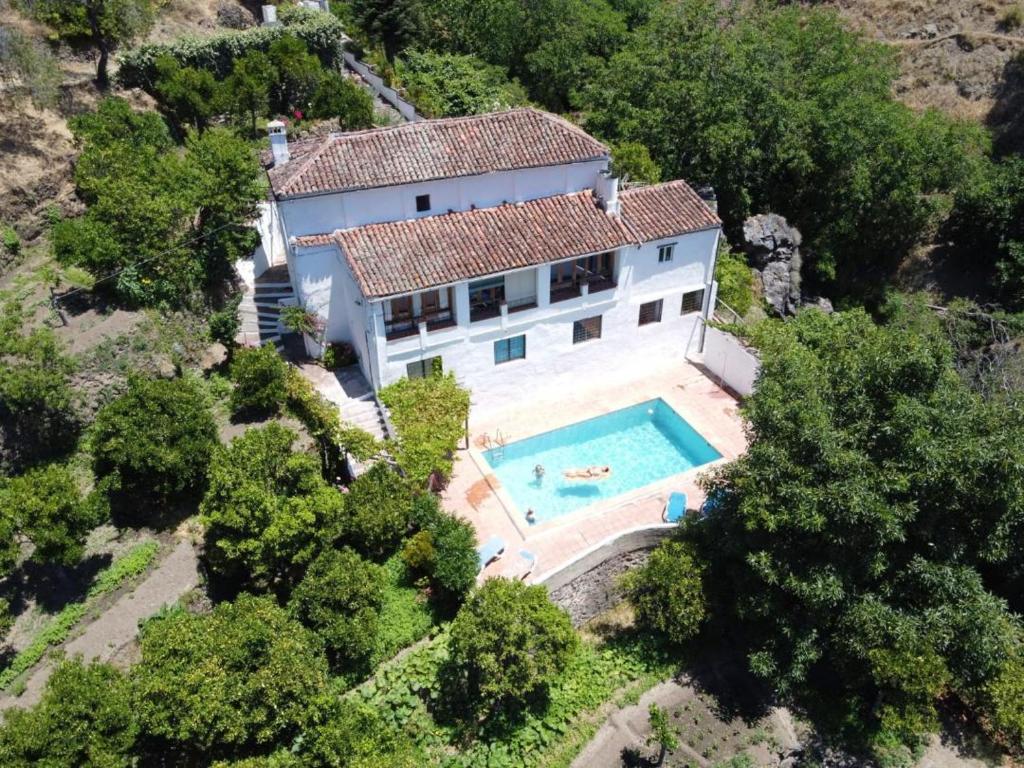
(476, 494)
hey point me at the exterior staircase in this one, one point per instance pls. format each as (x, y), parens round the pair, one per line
(365, 412)
(260, 310)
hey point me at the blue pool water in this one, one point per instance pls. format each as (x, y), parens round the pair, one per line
(643, 443)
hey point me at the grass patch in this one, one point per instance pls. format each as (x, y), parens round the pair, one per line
(406, 616)
(129, 565)
(601, 671)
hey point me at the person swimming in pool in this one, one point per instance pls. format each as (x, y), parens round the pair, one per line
(538, 472)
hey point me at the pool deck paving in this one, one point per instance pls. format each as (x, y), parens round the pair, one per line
(476, 494)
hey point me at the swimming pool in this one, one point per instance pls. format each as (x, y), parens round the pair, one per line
(640, 444)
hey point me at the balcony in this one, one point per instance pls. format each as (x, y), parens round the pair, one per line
(569, 277)
(594, 284)
(401, 327)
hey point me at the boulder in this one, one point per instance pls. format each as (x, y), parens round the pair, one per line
(773, 248)
(213, 357)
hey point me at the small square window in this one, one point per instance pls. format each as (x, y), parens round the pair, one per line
(506, 350)
(422, 203)
(421, 369)
(666, 252)
(650, 312)
(587, 329)
(692, 301)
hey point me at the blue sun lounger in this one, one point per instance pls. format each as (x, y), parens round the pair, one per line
(491, 550)
(676, 507)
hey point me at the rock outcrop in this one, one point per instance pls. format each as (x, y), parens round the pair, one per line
(772, 246)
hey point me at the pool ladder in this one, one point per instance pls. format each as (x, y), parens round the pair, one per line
(499, 442)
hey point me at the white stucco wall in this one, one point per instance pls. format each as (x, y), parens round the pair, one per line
(730, 361)
(326, 213)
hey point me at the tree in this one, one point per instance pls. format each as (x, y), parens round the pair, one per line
(259, 376)
(452, 85)
(395, 24)
(508, 643)
(667, 592)
(46, 506)
(377, 511)
(187, 95)
(352, 734)
(85, 718)
(103, 24)
(631, 161)
(162, 221)
(237, 681)
(267, 511)
(783, 108)
(340, 598)
(338, 97)
(37, 404)
(845, 551)
(298, 73)
(246, 91)
(155, 440)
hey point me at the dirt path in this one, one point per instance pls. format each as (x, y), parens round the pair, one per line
(118, 626)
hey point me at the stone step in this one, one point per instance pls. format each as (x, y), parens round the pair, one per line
(275, 295)
(269, 284)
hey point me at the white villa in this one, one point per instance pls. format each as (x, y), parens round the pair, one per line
(498, 247)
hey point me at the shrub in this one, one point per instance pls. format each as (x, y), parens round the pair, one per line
(225, 323)
(9, 238)
(230, 682)
(418, 553)
(735, 282)
(340, 598)
(300, 320)
(377, 510)
(455, 558)
(84, 718)
(354, 734)
(217, 53)
(338, 97)
(268, 511)
(259, 376)
(452, 85)
(430, 417)
(508, 642)
(1005, 693)
(667, 592)
(154, 441)
(339, 355)
(1012, 18)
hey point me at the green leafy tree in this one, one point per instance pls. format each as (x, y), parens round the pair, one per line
(297, 74)
(102, 24)
(453, 85)
(395, 24)
(236, 681)
(246, 91)
(85, 718)
(267, 511)
(259, 375)
(338, 97)
(444, 549)
(355, 735)
(508, 643)
(632, 161)
(37, 403)
(340, 598)
(785, 109)
(1005, 703)
(377, 511)
(46, 506)
(188, 96)
(735, 282)
(155, 440)
(667, 592)
(845, 548)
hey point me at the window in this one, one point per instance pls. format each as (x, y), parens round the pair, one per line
(506, 350)
(485, 298)
(586, 329)
(422, 203)
(420, 369)
(650, 312)
(692, 301)
(666, 252)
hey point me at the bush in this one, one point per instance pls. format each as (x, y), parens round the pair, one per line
(430, 417)
(377, 511)
(155, 441)
(268, 511)
(231, 682)
(1012, 18)
(339, 355)
(225, 323)
(418, 553)
(631, 161)
(340, 598)
(217, 53)
(11, 241)
(667, 592)
(1005, 693)
(452, 85)
(456, 562)
(338, 97)
(259, 376)
(735, 282)
(508, 643)
(84, 718)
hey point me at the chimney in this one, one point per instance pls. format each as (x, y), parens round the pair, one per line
(278, 142)
(269, 15)
(607, 190)
(707, 194)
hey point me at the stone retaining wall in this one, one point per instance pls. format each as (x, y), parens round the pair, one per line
(587, 585)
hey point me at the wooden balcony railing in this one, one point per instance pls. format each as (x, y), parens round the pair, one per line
(409, 325)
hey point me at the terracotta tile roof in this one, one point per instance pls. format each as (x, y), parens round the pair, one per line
(432, 149)
(416, 254)
(664, 210)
